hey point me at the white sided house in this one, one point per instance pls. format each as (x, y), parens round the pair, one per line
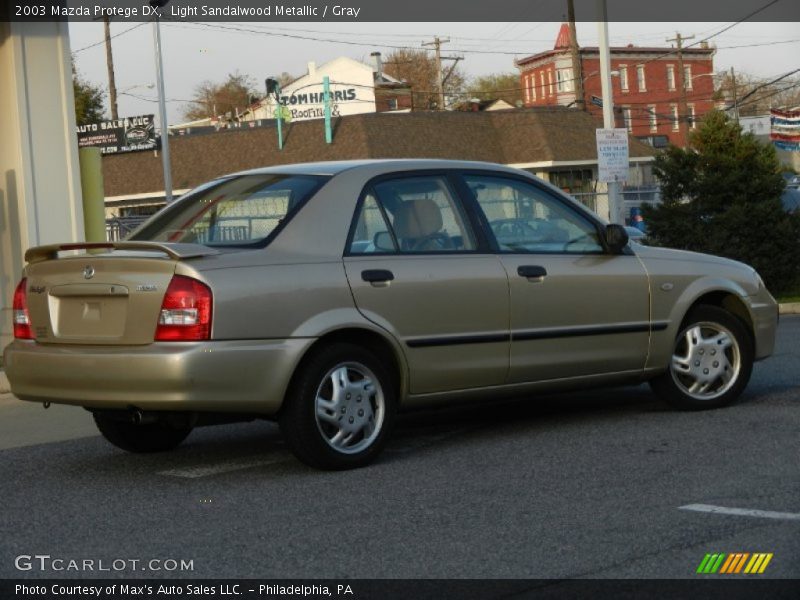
(353, 87)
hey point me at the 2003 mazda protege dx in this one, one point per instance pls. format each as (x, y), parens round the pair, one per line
(329, 295)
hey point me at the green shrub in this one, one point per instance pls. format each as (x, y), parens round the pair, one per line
(721, 195)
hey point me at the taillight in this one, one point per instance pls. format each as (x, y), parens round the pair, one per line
(22, 320)
(185, 312)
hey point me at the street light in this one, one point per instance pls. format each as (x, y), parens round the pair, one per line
(147, 86)
(162, 104)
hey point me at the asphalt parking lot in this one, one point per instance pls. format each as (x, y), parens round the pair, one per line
(598, 484)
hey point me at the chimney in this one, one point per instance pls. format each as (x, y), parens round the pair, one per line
(378, 68)
(312, 69)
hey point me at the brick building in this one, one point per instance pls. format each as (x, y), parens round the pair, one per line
(646, 86)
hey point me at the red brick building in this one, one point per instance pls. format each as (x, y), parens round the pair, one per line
(646, 86)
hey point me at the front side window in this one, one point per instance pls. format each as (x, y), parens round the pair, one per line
(423, 216)
(237, 211)
(526, 219)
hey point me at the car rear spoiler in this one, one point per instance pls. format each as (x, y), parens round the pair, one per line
(175, 251)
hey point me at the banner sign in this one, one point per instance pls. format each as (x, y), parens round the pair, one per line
(612, 154)
(121, 135)
(785, 129)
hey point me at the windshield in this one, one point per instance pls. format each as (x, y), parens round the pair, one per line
(243, 210)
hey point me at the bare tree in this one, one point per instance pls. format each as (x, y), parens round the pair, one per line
(211, 99)
(496, 86)
(755, 97)
(418, 68)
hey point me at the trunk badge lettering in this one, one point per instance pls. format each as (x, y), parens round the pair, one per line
(88, 272)
(36, 289)
(149, 287)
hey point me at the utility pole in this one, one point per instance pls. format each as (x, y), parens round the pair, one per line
(112, 85)
(684, 110)
(615, 204)
(577, 73)
(735, 101)
(437, 44)
(162, 102)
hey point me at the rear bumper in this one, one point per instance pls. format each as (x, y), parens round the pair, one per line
(235, 376)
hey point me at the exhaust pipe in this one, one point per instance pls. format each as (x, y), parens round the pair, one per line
(143, 418)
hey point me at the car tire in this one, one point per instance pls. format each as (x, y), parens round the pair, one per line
(340, 408)
(146, 438)
(711, 362)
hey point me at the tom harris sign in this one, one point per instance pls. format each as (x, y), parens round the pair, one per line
(120, 135)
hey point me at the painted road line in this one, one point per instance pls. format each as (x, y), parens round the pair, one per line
(741, 512)
(224, 467)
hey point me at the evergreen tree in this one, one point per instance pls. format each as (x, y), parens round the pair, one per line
(88, 99)
(721, 195)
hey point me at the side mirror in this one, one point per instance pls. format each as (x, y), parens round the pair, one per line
(616, 237)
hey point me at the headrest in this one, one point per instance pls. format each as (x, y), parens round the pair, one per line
(417, 218)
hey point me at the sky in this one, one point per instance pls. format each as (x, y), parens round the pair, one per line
(197, 52)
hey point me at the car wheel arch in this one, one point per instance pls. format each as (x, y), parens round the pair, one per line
(380, 345)
(728, 301)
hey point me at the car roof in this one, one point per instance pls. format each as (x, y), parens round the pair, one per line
(377, 165)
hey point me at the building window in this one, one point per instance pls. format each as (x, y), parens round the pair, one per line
(392, 103)
(526, 85)
(544, 87)
(623, 77)
(691, 117)
(687, 77)
(532, 84)
(564, 80)
(653, 117)
(673, 109)
(640, 78)
(626, 118)
(550, 81)
(671, 77)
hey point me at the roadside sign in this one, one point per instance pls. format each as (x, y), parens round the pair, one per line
(128, 134)
(596, 101)
(612, 154)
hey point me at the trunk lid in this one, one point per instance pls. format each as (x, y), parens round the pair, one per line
(113, 298)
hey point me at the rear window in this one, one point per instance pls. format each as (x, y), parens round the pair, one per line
(243, 210)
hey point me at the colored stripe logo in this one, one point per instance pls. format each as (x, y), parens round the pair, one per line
(735, 563)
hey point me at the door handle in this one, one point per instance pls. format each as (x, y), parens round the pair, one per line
(532, 272)
(377, 277)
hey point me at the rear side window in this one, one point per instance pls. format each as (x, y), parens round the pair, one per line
(423, 214)
(242, 210)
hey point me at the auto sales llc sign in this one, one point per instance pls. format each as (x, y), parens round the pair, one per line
(612, 154)
(120, 135)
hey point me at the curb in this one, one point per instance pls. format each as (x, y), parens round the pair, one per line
(789, 308)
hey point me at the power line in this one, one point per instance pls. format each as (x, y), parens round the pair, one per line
(116, 35)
